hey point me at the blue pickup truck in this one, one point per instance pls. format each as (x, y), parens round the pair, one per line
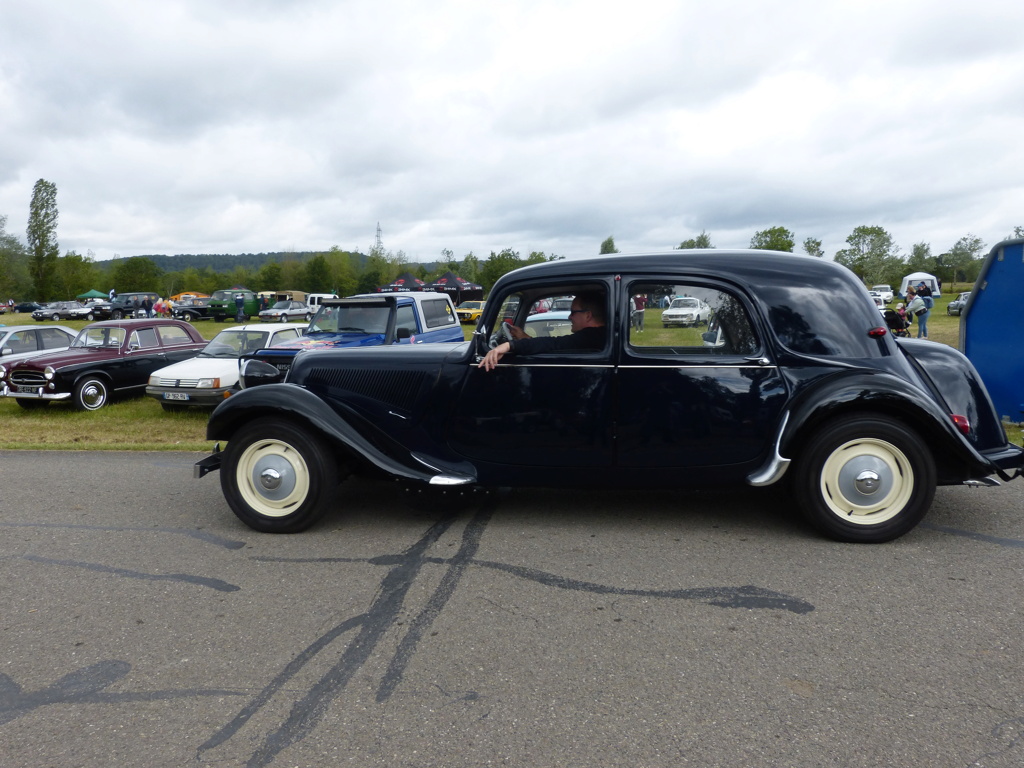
(373, 319)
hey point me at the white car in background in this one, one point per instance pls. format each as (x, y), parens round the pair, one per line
(686, 311)
(283, 311)
(884, 291)
(212, 375)
(20, 342)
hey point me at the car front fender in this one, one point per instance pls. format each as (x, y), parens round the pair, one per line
(297, 403)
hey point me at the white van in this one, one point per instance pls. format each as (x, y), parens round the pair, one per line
(313, 300)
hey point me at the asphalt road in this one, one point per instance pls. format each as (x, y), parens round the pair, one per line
(143, 625)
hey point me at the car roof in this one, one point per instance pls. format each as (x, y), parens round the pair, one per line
(4, 329)
(261, 327)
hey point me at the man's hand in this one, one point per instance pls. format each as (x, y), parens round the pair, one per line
(493, 356)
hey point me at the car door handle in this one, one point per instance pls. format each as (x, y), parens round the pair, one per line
(759, 360)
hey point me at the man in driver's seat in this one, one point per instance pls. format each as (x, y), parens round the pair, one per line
(588, 333)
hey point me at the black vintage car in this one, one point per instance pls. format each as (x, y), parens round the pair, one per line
(795, 380)
(106, 359)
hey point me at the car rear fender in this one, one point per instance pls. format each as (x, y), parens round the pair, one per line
(298, 404)
(880, 393)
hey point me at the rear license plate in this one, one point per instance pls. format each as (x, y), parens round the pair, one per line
(175, 396)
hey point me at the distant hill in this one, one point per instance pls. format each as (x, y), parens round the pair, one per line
(225, 262)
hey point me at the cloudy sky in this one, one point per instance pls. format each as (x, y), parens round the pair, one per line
(231, 126)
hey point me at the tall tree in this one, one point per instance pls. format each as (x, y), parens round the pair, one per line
(42, 237)
(813, 247)
(470, 268)
(962, 257)
(497, 265)
(608, 246)
(318, 275)
(703, 240)
(773, 239)
(74, 274)
(872, 253)
(136, 273)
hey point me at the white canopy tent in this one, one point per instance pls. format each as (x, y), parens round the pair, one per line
(920, 277)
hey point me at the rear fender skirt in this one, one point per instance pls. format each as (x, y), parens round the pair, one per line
(880, 393)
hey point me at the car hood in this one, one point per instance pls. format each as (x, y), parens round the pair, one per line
(71, 356)
(332, 341)
(9, 360)
(202, 368)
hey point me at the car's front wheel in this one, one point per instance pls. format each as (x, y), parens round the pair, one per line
(865, 479)
(308, 317)
(91, 394)
(278, 477)
(117, 314)
(90, 317)
(55, 317)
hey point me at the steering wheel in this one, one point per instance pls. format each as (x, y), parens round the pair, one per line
(503, 334)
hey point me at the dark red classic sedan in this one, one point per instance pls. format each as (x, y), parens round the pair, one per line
(106, 359)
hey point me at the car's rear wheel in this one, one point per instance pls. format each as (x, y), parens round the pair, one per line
(277, 477)
(91, 394)
(865, 479)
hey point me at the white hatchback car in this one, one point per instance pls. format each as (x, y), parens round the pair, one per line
(212, 375)
(686, 311)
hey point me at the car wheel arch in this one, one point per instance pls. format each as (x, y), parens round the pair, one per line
(810, 415)
(309, 412)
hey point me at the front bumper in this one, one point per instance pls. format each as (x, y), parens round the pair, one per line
(207, 398)
(38, 393)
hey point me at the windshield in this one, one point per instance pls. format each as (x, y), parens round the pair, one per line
(282, 305)
(686, 303)
(469, 305)
(99, 337)
(234, 343)
(354, 319)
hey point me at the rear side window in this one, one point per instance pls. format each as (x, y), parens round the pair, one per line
(51, 337)
(438, 313)
(678, 318)
(144, 338)
(171, 335)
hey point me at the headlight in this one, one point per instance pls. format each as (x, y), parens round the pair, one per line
(208, 383)
(154, 380)
(48, 372)
(3, 372)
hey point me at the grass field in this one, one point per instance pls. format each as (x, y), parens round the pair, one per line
(141, 424)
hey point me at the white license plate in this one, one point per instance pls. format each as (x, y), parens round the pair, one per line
(26, 389)
(175, 396)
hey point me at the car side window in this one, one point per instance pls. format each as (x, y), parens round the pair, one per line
(688, 319)
(438, 313)
(286, 335)
(405, 318)
(145, 338)
(171, 335)
(51, 337)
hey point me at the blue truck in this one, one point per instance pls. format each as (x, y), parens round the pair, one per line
(368, 320)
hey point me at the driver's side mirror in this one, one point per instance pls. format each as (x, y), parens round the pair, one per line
(403, 333)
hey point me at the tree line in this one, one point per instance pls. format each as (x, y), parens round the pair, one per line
(35, 269)
(871, 254)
